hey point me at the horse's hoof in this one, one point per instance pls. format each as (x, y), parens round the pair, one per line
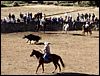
(53, 72)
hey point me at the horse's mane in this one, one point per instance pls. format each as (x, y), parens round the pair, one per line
(37, 53)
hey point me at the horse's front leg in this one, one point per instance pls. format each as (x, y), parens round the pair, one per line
(38, 67)
(43, 68)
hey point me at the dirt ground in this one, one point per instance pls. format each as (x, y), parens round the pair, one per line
(79, 53)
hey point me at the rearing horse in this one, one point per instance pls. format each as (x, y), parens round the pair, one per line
(54, 58)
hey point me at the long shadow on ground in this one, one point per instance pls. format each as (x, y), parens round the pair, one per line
(40, 43)
(95, 36)
(74, 74)
(66, 34)
(54, 33)
(85, 35)
(78, 35)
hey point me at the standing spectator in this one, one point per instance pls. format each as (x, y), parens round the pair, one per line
(60, 19)
(31, 15)
(78, 14)
(9, 16)
(21, 15)
(78, 17)
(70, 18)
(82, 17)
(93, 16)
(86, 16)
(13, 18)
(29, 18)
(6, 20)
(25, 18)
(44, 15)
(89, 15)
(40, 15)
(66, 19)
(97, 22)
(70, 22)
(18, 20)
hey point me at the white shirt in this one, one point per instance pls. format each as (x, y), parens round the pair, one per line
(46, 49)
(86, 25)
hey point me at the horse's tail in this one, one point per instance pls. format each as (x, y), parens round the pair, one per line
(62, 63)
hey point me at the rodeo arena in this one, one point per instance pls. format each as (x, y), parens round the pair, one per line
(50, 44)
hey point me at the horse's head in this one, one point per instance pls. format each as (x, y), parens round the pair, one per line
(36, 53)
(33, 53)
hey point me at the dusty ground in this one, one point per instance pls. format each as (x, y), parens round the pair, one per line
(79, 53)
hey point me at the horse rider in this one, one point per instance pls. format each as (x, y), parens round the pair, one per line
(46, 51)
(87, 24)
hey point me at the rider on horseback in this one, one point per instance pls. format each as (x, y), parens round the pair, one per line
(46, 51)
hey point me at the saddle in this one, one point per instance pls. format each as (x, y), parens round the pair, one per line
(47, 58)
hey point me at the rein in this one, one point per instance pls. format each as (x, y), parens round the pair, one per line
(38, 54)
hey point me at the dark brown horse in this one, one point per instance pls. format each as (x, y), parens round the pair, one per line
(88, 28)
(53, 58)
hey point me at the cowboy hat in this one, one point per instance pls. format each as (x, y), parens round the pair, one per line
(46, 43)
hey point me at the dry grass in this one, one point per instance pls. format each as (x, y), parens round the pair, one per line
(79, 53)
(48, 10)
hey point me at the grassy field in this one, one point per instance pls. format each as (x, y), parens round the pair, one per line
(79, 53)
(48, 10)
